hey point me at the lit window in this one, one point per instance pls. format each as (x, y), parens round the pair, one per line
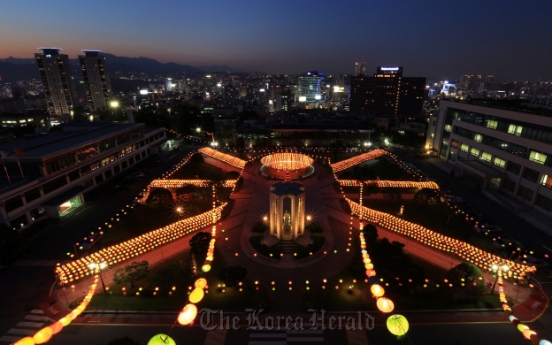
(492, 124)
(448, 128)
(474, 151)
(486, 156)
(464, 147)
(432, 135)
(499, 162)
(516, 130)
(537, 157)
(478, 138)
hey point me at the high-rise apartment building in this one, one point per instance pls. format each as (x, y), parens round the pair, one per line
(311, 87)
(96, 79)
(57, 79)
(387, 93)
(360, 68)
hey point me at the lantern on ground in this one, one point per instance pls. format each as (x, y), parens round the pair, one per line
(206, 268)
(377, 290)
(187, 315)
(385, 305)
(196, 295)
(397, 324)
(56, 327)
(161, 339)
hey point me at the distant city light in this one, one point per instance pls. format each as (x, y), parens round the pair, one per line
(144, 92)
(389, 68)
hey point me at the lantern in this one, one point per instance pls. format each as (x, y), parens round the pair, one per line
(370, 273)
(200, 283)
(187, 315)
(56, 327)
(545, 342)
(377, 290)
(25, 341)
(397, 324)
(65, 321)
(385, 305)
(196, 295)
(161, 339)
(527, 333)
(43, 335)
(206, 268)
(521, 327)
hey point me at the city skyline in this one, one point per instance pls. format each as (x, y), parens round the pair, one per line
(433, 39)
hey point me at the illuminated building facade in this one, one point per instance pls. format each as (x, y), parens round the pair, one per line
(387, 93)
(287, 210)
(360, 68)
(510, 150)
(96, 79)
(47, 175)
(58, 82)
(311, 88)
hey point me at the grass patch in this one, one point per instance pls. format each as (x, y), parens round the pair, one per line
(436, 217)
(177, 272)
(270, 252)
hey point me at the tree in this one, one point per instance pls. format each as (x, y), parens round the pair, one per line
(131, 273)
(425, 196)
(123, 341)
(200, 244)
(370, 233)
(471, 277)
(232, 275)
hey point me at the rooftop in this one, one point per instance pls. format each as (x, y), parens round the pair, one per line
(73, 135)
(518, 105)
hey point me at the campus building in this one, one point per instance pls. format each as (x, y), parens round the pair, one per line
(46, 176)
(509, 150)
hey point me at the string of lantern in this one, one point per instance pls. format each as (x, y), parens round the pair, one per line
(137, 246)
(45, 334)
(435, 240)
(183, 183)
(347, 163)
(388, 184)
(226, 158)
(287, 161)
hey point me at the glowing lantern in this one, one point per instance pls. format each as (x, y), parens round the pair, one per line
(200, 283)
(397, 324)
(56, 327)
(161, 339)
(196, 295)
(521, 327)
(377, 290)
(544, 342)
(385, 305)
(527, 333)
(43, 335)
(370, 273)
(25, 341)
(187, 315)
(65, 321)
(206, 268)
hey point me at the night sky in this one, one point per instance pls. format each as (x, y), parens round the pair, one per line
(437, 39)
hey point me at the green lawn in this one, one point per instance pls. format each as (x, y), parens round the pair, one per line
(176, 272)
(434, 217)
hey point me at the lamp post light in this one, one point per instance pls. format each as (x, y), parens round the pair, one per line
(98, 267)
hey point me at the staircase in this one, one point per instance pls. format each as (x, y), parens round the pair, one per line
(287, 247)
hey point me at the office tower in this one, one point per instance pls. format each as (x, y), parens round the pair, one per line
(311, 87)
(57, 79)
(360, 68)
(96, 79)
(387, 93)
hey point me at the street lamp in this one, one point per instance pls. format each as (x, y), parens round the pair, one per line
(198, 129)
(98, 267)
(309, 218)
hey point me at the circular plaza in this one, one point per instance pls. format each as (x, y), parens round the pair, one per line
(277, 165)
